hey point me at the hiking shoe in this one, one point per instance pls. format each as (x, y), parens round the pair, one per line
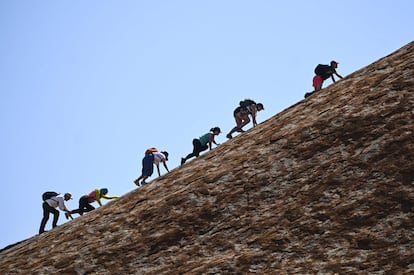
(182, 161)
(308, 94)
(137, 182)
(229, 136)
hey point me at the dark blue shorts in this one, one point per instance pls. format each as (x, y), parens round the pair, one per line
(147, 165)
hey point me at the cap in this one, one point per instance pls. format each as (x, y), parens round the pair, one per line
(104, 191)
(68, 195)
(334, 62)
(260, 105)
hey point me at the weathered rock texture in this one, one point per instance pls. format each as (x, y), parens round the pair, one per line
(325, 186)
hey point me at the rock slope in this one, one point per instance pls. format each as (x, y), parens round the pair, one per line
(326, 186)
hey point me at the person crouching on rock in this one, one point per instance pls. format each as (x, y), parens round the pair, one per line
(86, 200)
(50, 205)
(202, 143)
(152, 156)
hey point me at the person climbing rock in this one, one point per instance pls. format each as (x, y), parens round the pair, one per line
(202, 143)
(322, 73)
(50, 203)
(241, 115)
(152, 156)
(86, 200)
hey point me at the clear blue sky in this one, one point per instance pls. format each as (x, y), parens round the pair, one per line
(87, 86)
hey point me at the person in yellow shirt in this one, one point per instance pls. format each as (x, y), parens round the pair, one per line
(86, 200)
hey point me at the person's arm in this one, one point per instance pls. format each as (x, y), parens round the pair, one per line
(109, 197)
(335, 73)
(338, 75)
(254, 112)
(211, 140)
(165, 165)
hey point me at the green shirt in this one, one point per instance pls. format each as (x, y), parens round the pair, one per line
(204, 139)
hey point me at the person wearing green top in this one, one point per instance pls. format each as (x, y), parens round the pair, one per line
(202, 143)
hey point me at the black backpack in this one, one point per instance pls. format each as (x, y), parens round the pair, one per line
(322, 70)
(49, 194)
(246, 102)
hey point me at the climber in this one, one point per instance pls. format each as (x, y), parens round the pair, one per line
(322, 73)
(49, 206)
(202, 143)
(86, 200)
(241, 114)
(152, 156)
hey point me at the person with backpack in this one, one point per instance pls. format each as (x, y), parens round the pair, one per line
(322, 73)
(241, 114)
(86, 200)
(202, 143)
(152, 156)
(52, 200)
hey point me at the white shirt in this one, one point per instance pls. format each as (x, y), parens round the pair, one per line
(158, 157)
(57, 201)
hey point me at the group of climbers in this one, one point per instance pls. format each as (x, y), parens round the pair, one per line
(242, 113)
(52, 200)
(247, 108)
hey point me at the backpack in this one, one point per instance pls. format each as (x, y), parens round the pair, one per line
(246, 102)
(322, 70)
(151, 150)
(49, 194)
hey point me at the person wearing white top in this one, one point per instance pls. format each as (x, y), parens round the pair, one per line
(161, 157)
(49, 206)
(152, 156)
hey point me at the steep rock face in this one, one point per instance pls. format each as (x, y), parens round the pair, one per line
(326, 186)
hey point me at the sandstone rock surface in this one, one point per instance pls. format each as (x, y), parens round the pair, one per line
(325, 186)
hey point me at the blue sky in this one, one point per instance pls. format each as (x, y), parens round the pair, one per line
(87, 86)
